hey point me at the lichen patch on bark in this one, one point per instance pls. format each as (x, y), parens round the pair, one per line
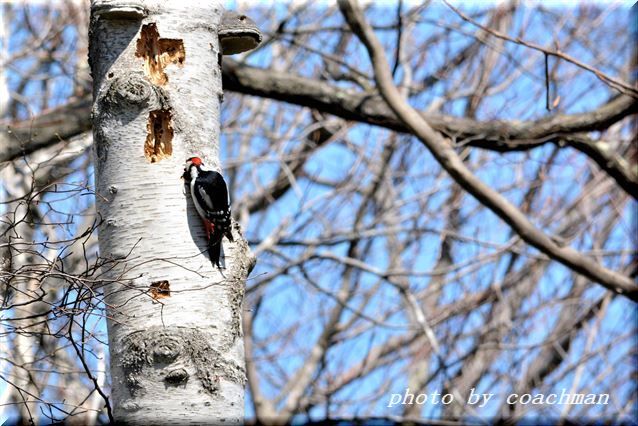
(158, 53)
(236, 287)
(159, 136)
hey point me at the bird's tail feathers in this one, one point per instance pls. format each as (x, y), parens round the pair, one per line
(229, 234)
(215, 252)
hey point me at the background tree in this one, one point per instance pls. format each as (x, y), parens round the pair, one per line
(384, 263)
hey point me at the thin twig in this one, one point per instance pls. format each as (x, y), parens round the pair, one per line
(619, 85)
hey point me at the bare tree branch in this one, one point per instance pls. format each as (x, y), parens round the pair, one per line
(450, 161)
(500, 136)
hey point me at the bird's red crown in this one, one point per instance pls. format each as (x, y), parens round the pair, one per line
(195, 161)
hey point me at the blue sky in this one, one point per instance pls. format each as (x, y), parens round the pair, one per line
(291, 291)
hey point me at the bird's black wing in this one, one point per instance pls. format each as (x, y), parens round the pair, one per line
(211, 191)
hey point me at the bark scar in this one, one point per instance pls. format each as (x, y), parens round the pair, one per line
(158, 53)
(159, 135)
(160, 289)
(160, 351)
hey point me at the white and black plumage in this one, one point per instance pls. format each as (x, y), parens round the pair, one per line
(210, 196)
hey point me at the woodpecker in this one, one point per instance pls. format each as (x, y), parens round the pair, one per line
(210, 196)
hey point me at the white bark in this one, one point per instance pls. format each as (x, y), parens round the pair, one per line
(18, 255)
(180, 358)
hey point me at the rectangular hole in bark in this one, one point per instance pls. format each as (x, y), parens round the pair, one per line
(159, 136)
(172, 51)
(160, 289)
(158, 53)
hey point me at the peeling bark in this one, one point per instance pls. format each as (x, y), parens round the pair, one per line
(174, 320)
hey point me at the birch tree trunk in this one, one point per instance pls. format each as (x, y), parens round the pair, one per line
(23, 354)
(175, 336)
